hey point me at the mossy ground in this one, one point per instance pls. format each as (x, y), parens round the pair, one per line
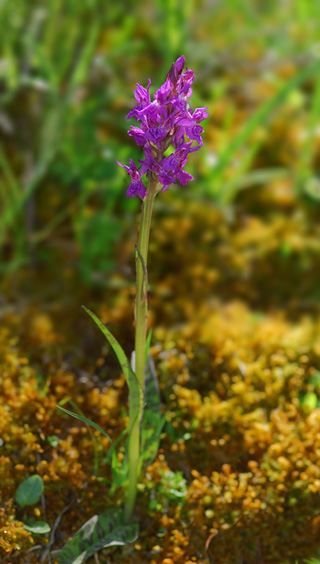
(237, 349)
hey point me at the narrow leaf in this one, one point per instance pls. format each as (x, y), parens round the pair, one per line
(135, 391)
(152, 421)
(119, 472)
(151, 446)
(151, 391)
(93, 438)
(85, 420)
(108, 457)
(101, 531)
(119, 352)
(29, 492)
(148, 343)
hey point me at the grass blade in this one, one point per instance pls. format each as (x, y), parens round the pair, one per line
(85, 420)
(135, 391)
(119, 352)
(259, 117)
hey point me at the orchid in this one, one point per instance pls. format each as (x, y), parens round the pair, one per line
(165, 121)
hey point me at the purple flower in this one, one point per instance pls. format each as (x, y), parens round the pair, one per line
(188, 125)
(149, 163)
(163, 93)
(174, 164)
(156, 134)
(136, 186)
(138, 135)
(142, 97)
(165, 121)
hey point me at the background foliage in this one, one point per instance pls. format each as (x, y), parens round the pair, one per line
(68, 72)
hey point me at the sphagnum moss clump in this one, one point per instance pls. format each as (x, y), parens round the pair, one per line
(254, 466)
(33, 440)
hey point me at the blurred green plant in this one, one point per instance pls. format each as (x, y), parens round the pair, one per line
(28, 493)
(44, 67)
(224, 191)
(173, 486)
(51, 68)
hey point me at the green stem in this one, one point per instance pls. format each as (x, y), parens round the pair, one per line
(141, 315)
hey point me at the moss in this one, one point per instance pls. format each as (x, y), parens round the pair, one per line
(233, 381)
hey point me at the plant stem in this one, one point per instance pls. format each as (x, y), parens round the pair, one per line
(141, 315)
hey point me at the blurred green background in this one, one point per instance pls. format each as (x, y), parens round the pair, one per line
(67, 74)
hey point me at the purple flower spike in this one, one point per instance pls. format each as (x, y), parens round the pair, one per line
(166, 121)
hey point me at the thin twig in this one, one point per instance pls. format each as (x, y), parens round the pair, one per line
(46, 551)
(32, 549)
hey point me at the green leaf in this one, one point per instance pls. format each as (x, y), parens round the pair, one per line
(108, 457)
(37, 527)
(151, 446)
(153, 420)
(119, 472)
(106, 529)
(85, 420)
(29, 491)
(148, 343)
(119, 352)
(135, 391)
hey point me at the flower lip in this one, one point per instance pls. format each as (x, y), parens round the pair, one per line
(136, 188)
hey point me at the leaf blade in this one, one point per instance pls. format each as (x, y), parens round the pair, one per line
(135, 391)
(85, 420)
(29, 491)
(118, 350)
(105, 529)
(153, 420)
(37, 527)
